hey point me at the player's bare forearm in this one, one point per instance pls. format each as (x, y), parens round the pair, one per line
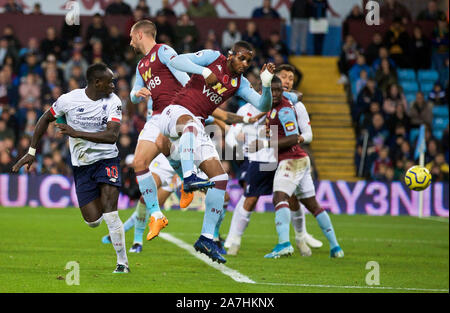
(109, 136)
(232, 118)
(287, 142)
(41, 127)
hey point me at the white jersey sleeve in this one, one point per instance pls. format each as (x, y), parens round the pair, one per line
(303, 122)
(115, 110)
(60, 106)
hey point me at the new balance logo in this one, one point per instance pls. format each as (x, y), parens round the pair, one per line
(80, 110)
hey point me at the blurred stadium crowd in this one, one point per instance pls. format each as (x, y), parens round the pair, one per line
(396, 84)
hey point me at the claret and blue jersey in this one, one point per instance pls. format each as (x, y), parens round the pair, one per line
(201, 99)
(284, 117)
(155, 72)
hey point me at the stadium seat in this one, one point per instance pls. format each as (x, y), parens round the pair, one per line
(427, 75)
(409, 86)
(438, 134)
(440, 122)
(440, 111)
(406, 74)
(426, 87)
(410, 97)
(413, 134)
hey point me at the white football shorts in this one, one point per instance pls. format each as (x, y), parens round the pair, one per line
(294, 175)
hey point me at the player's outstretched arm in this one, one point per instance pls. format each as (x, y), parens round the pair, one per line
(196, 63)
(110, 135)
(167, 53)
(39, 131)
(232, 118)
(262, 102)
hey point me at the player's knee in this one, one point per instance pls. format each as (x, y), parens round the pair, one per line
(250, 203)
(94, 223)
(139, 164)
(221, 181)
(278, 197)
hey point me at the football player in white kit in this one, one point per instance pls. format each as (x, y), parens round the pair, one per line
(93, 115)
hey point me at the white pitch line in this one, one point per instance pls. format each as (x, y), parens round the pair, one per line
(436, 219)
(355, 287)
(240, 278)
(235, 275)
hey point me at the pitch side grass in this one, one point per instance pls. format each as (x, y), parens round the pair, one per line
(37, 244)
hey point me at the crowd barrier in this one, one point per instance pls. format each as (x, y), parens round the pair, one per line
(41, 22)
(362, 197)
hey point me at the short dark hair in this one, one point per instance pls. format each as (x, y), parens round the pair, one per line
(96, 71)
(284, 67)
(242, 44)
(276, 80)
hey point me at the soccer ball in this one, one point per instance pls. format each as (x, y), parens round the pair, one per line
(417, 178)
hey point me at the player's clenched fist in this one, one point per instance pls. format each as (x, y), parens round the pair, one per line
(66, 130)
(266, 74)
(143, 92)
(210, 77)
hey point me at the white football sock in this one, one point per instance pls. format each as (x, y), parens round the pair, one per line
(297, 219)
(117, 234)
(232, 231)
(240, 220)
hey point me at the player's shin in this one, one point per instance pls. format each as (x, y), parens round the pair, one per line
(117, 234)
(325, 224)
(219, 222)
(130, 222)
(141, 221)
(233, 236)
(214, 205)
(298, 221)
(187, 147)
(149, 192)
(282, 221)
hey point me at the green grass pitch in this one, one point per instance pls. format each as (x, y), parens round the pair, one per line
(37, 243)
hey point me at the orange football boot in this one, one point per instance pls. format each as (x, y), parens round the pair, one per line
(155, 226)
(186, 198)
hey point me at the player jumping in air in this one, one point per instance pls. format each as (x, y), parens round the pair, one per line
(293, 173)
(157, 81)
(215, 79)
(93, 116)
